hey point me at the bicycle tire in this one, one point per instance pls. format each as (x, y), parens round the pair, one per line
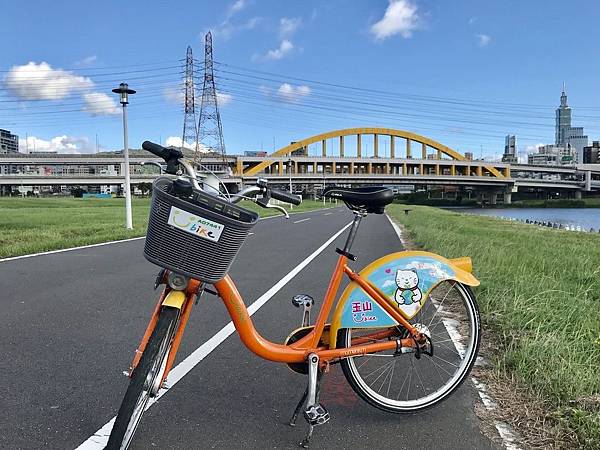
(150, 366)
(386, 403)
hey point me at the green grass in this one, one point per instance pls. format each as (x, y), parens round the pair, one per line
(540, 293)
(31, 225)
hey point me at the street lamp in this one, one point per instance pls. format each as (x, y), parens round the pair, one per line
(290, 172)
(123, 90)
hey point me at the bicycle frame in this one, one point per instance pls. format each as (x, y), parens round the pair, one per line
(296, 352)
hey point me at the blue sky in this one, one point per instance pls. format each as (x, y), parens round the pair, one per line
(463, 72)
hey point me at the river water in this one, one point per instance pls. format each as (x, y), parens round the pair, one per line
(586, 218)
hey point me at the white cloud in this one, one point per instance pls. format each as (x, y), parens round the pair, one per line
(225, 30)
(284, 48)
(175, 141)
(288, 26)
(528, 150)
(61, 144)
(99, 104)
(292, 94)
(87, 61)
(483, 40)
(223, 99)
(41, 82)
(236, 7)
(400, 18)
(174, 95)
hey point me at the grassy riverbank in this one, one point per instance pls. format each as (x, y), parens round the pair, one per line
(31, 225)
(540, 294)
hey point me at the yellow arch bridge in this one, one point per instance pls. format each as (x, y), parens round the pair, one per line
(369, 151)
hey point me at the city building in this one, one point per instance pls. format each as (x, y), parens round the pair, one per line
(9, 143)
(565, 133)
(510, 150)
(552, 155)
(591, 153)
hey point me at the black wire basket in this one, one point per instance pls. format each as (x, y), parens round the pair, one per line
(199, 236)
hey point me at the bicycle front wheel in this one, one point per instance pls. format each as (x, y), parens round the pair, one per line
(143, 384)
(401, 383)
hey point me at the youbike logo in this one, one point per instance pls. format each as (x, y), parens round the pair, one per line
(196, 225)
(360, 310)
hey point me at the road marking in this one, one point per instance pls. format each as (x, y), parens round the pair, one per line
(326, 214)
(100, 438)
(51, 252)
(302, 220)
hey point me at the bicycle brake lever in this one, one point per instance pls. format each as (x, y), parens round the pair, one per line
(278, 208)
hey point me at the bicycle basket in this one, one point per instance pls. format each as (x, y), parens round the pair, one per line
(199, 237)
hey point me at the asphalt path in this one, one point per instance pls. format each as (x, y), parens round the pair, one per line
(72, 320)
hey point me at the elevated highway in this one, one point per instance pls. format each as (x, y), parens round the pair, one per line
(352, 156)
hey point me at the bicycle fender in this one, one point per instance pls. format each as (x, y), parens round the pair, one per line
(405, 279)
(174, 299)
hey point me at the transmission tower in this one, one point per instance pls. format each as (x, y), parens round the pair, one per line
(190, 128)
(210, 130)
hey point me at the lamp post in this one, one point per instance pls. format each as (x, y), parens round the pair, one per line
(290, 172)
(124, 91)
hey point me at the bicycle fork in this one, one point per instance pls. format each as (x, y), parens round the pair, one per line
(314, 413)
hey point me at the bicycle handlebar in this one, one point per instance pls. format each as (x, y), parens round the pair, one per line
(174, 157)
(285, 196)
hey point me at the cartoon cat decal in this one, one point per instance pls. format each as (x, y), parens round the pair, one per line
(408, 291)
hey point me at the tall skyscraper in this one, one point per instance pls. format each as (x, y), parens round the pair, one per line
(510, 149)
(567, 135)
(563, 120)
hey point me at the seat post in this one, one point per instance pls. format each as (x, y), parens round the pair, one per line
(358, 215)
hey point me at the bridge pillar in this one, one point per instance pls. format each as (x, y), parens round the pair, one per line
(342, 146)
(358, 146)
(369, 168)
(408, 153)
(280, 167)
(423, 151)
(375, 146)
(324, 147)
(577, 195)
(493, 198)
(351, 168)
(507, 198)
(392, 147)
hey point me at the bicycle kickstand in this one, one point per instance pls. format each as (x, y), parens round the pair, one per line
(315, 413)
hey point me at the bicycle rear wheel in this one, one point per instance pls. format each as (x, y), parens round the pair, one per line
(401, 383)
(143, 384)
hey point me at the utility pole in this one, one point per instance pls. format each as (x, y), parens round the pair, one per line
(124, 91)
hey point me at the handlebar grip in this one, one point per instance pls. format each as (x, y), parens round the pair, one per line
(285, 196)
(157, 150)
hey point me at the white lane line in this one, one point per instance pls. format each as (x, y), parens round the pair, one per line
(100, 438)
(302, 220)
(397, 230)
(326, 214)
(51, 252)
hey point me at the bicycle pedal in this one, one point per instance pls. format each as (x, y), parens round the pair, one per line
(302, 300)
(316, 415)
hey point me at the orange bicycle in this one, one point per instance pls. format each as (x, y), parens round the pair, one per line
(405, 330)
